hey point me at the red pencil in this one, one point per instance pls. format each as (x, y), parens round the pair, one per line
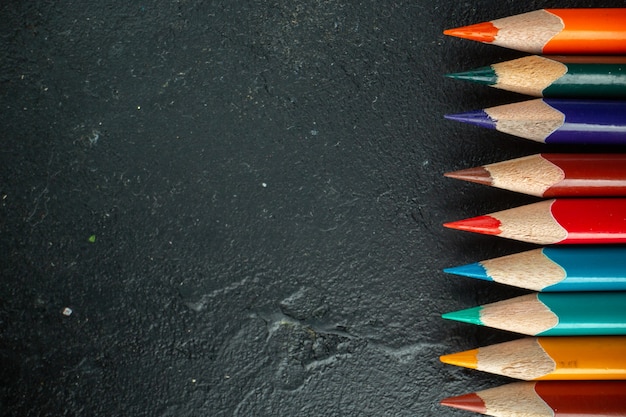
(556, 221)
(547, 398)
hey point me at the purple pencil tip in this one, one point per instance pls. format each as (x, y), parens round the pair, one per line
(478, 118)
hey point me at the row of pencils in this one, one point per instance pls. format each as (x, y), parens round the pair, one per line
(572, 358)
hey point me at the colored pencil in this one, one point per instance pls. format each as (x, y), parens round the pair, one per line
(547, 399)
(562, 221)
(554, 175)
(549, 358)
(552, 314)
(599, 31)
(558, 121)
(570, 268)
(539, 76)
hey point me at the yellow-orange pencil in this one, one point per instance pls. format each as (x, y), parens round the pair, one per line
(549, 358)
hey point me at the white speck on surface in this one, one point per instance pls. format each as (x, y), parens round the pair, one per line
(93, 138)
(264, 184)
(67, 311)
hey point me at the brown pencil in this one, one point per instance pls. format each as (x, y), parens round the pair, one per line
(554, 175)
(547, 399)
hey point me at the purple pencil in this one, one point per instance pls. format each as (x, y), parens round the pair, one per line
(555, 121)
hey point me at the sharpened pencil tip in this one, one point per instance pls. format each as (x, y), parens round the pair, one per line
(477, 118)
(484, 75)
(466, 359)
(470, 315)
(478, 175)
(475, 270)
(468, 402)
(481, 32)
(482, 224)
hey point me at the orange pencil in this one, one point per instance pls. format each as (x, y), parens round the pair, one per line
(549, 358)
(554, 31)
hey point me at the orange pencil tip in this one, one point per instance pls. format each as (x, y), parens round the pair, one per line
(481, 32)
(467, 359)
(468, 402)
(482, 224)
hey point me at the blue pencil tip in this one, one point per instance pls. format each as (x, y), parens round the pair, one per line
(478, 118)
(475, 270)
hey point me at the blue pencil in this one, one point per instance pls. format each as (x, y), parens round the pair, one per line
(598, 268)
(555, 121)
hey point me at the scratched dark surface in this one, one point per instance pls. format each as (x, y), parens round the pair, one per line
(240, 203)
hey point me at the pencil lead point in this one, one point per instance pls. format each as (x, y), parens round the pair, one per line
(467, 402)
(477, 117)
(466, 359)
(470, 315)
(483, 75)
(481, 32)
(482, 224)
(475, 270)
(477, 175)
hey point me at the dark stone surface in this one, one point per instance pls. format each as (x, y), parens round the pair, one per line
(263, 181)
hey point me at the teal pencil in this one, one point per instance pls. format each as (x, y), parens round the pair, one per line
(554, 269)
(555, 76)
(553, 314)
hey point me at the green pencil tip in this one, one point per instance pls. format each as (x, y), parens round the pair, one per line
(484, 75)
(471, 315)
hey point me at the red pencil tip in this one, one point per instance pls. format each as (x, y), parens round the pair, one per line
(481, 32)
(468, 402)
(482, 224)
(478, 175)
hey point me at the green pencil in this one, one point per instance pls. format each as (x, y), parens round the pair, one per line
(567, 77)
(553, 314)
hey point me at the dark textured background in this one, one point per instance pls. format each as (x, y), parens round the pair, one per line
(263, 180)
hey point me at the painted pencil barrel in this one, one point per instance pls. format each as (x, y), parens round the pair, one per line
(552, 314)
(589, 122)
(586, 80)
(558, 121)
(555, 269)
(547, 399)
(608, 27)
